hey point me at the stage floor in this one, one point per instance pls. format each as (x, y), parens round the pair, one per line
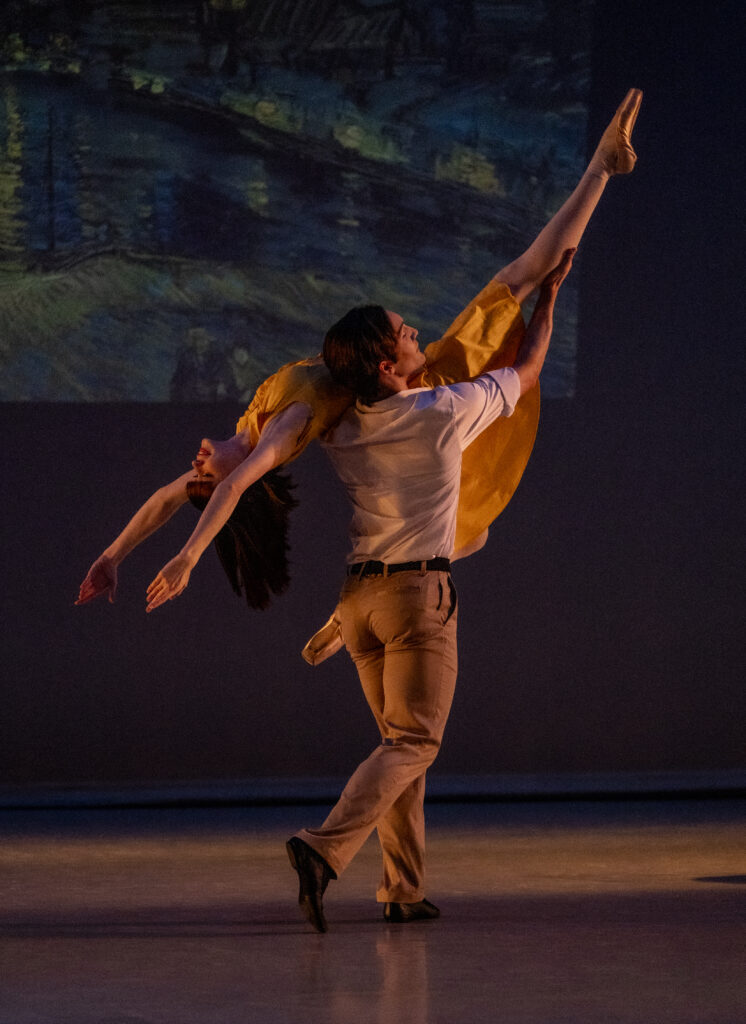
(552, 913)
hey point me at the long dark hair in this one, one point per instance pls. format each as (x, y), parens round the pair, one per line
(253, 544)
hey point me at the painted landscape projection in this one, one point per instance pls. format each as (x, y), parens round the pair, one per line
(190, 193)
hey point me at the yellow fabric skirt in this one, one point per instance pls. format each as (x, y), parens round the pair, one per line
(485, 336)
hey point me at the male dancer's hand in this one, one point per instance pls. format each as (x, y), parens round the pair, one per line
(551, 283)
(533, 349)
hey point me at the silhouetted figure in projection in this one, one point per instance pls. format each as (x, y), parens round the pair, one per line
(301, 402)
(243, 371)
(398, 453)
(220, 24)
(200, 374)
(407, 34)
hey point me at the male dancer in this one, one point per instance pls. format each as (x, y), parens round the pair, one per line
(398, 453)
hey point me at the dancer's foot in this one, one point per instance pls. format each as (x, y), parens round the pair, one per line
(404, 913)
(614, 153)
(313, 874)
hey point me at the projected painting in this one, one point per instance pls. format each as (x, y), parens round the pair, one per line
(190, 193)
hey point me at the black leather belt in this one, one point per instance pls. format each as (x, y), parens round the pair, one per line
(360, 569)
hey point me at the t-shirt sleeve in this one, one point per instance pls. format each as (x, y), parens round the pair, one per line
(480, 402)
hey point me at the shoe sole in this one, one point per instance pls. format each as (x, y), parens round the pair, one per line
(408, 920)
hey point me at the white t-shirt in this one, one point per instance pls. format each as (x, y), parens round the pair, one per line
(400, 461)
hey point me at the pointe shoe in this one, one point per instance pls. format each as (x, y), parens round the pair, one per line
(614, 153)
(403, 913)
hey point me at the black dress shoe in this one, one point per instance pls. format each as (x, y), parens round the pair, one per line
(402, 913)
(314, 875)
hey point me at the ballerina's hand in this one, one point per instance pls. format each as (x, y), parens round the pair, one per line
(101, 579)
(169, 583)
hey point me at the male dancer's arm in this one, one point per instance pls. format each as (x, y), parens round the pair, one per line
(533, 349)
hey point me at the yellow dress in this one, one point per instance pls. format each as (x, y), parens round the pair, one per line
(306, 381)
(485, 336)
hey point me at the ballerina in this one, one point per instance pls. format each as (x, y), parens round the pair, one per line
(238, 482)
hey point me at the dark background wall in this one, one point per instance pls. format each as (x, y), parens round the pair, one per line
(601, 628)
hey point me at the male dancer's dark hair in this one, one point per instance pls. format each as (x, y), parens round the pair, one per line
(354, 348)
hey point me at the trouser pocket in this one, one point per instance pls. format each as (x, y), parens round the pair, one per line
(451, 599)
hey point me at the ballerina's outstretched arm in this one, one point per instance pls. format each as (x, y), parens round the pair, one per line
(277, 443)
(101, 578)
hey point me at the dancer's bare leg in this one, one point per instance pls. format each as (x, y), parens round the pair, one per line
(614, 155)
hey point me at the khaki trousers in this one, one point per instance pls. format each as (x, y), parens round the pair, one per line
(400, 631)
